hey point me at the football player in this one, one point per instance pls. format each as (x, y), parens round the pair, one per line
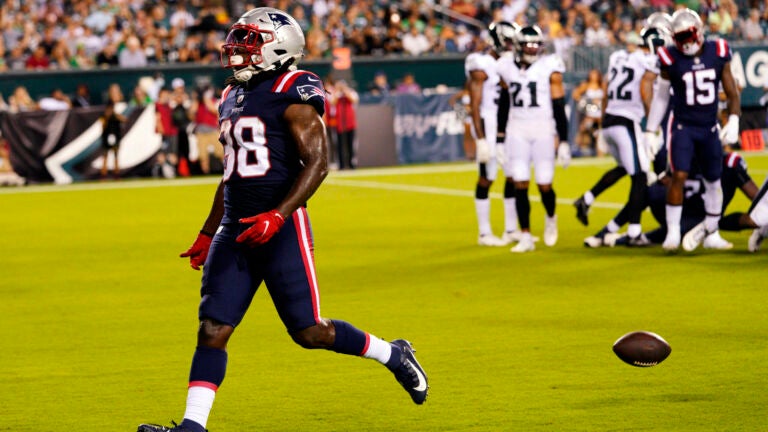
(536, 97)
(693, 69)
(485, 97)
(735, 176)
(758, 218)
(631, 73)
(654, 35)
(258, 229)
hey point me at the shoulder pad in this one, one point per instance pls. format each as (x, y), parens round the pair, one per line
(556, 63)
(723, 50)
(473, 62)
(665, 58)
(302, 86)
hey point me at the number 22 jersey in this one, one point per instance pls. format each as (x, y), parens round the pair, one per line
(261, 159)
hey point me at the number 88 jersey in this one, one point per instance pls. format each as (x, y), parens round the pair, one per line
(695, 80)
(261, 159)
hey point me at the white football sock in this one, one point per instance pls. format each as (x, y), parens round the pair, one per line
(612, 226)
(510, 215)
(634, 230)
(378, 349)
(713, 204)
(199, 404)
(483, 210)
(674, 214)
(589, 198)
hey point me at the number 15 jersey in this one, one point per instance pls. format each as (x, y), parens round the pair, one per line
(261, 159)
(695, 80)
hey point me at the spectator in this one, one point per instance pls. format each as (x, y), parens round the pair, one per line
(165, 162)
(133, 55)
(393, 40)
(512, 9)
(588, 96)
(415, 43)
(205, 108)
(139, 98)
(344, 98)
(182, 117)
(60, 58)
(21, 101)
(57, 101)
(38, 60)
(380, 85)
(82, 96)
(408, 85)
(750, 27)
(596, 33)
(107, 57)
(111, 136)
(721, 21)
(16, 59)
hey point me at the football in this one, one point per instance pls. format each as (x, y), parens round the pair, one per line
(642, 349)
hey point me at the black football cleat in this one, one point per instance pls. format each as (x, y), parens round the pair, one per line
(582, 209)
(160, 428)
(410, 374)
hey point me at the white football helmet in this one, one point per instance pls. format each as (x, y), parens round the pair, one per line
(502, 36)
(687, 31)
(529, 44)
(263, 39)
(659, 20)
(655, 38)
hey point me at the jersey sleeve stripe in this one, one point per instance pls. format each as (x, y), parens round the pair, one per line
(664, 56)
(733, 159)
(225, 93)
(722, 48)
(284, 82)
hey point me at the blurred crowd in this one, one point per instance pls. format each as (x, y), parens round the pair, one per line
(81, 34)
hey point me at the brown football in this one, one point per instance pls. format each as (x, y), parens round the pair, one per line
(642, 349)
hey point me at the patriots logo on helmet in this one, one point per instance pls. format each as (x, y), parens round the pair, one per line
(278, 20)
(309, 91)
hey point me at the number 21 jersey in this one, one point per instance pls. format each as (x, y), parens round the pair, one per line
(261, 159)
(530, 97)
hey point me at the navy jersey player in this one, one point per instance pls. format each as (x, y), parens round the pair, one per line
(735, 177)
(258, 229)
(693, 69)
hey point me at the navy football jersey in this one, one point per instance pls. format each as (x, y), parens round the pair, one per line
(695, 81)
(261, 159)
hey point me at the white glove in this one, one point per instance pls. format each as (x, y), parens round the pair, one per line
(501, 154)
(564, 154)
(730, 132)
(482, 150)
(652, 142)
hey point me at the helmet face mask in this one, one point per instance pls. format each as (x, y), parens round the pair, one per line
(263, 39)
(529, 44)
(688, 31)
(655, 38)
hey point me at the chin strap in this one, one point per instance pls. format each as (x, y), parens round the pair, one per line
(245, 74)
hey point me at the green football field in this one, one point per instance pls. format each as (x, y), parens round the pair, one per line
(99, 314)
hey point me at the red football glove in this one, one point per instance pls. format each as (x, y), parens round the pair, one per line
(198, 252)
(265, 225)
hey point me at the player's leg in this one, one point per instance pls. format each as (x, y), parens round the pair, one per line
(227, 290)
(544, 170)
(585, 201)
(637, 169)
(520, 159)
(292, 283)
(681, 153)
(709, 154)
(758, 216)
(486, 177)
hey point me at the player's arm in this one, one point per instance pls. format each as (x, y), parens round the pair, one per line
(502, 114)
(730, 132)
(475, 86)
(659, 102)
(646, 90)
(308, 131)
(198, 252)
(557, 92)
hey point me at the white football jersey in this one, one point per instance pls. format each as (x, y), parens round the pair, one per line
(489, 103)
(625, 72)
(530, 97)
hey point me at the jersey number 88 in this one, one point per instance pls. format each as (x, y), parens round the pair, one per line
(243, 139)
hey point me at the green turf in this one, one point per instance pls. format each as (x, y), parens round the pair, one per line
(99, 316)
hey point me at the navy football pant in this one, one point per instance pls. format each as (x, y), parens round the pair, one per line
(702, 144)
(233, 272)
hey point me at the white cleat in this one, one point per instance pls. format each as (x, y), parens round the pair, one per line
(714, 241)
(594, 241)
(510, 237)
(524, 245)
(550, 230)
(693, 238)
(490, 240)
(757, 237)
(672, 242)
